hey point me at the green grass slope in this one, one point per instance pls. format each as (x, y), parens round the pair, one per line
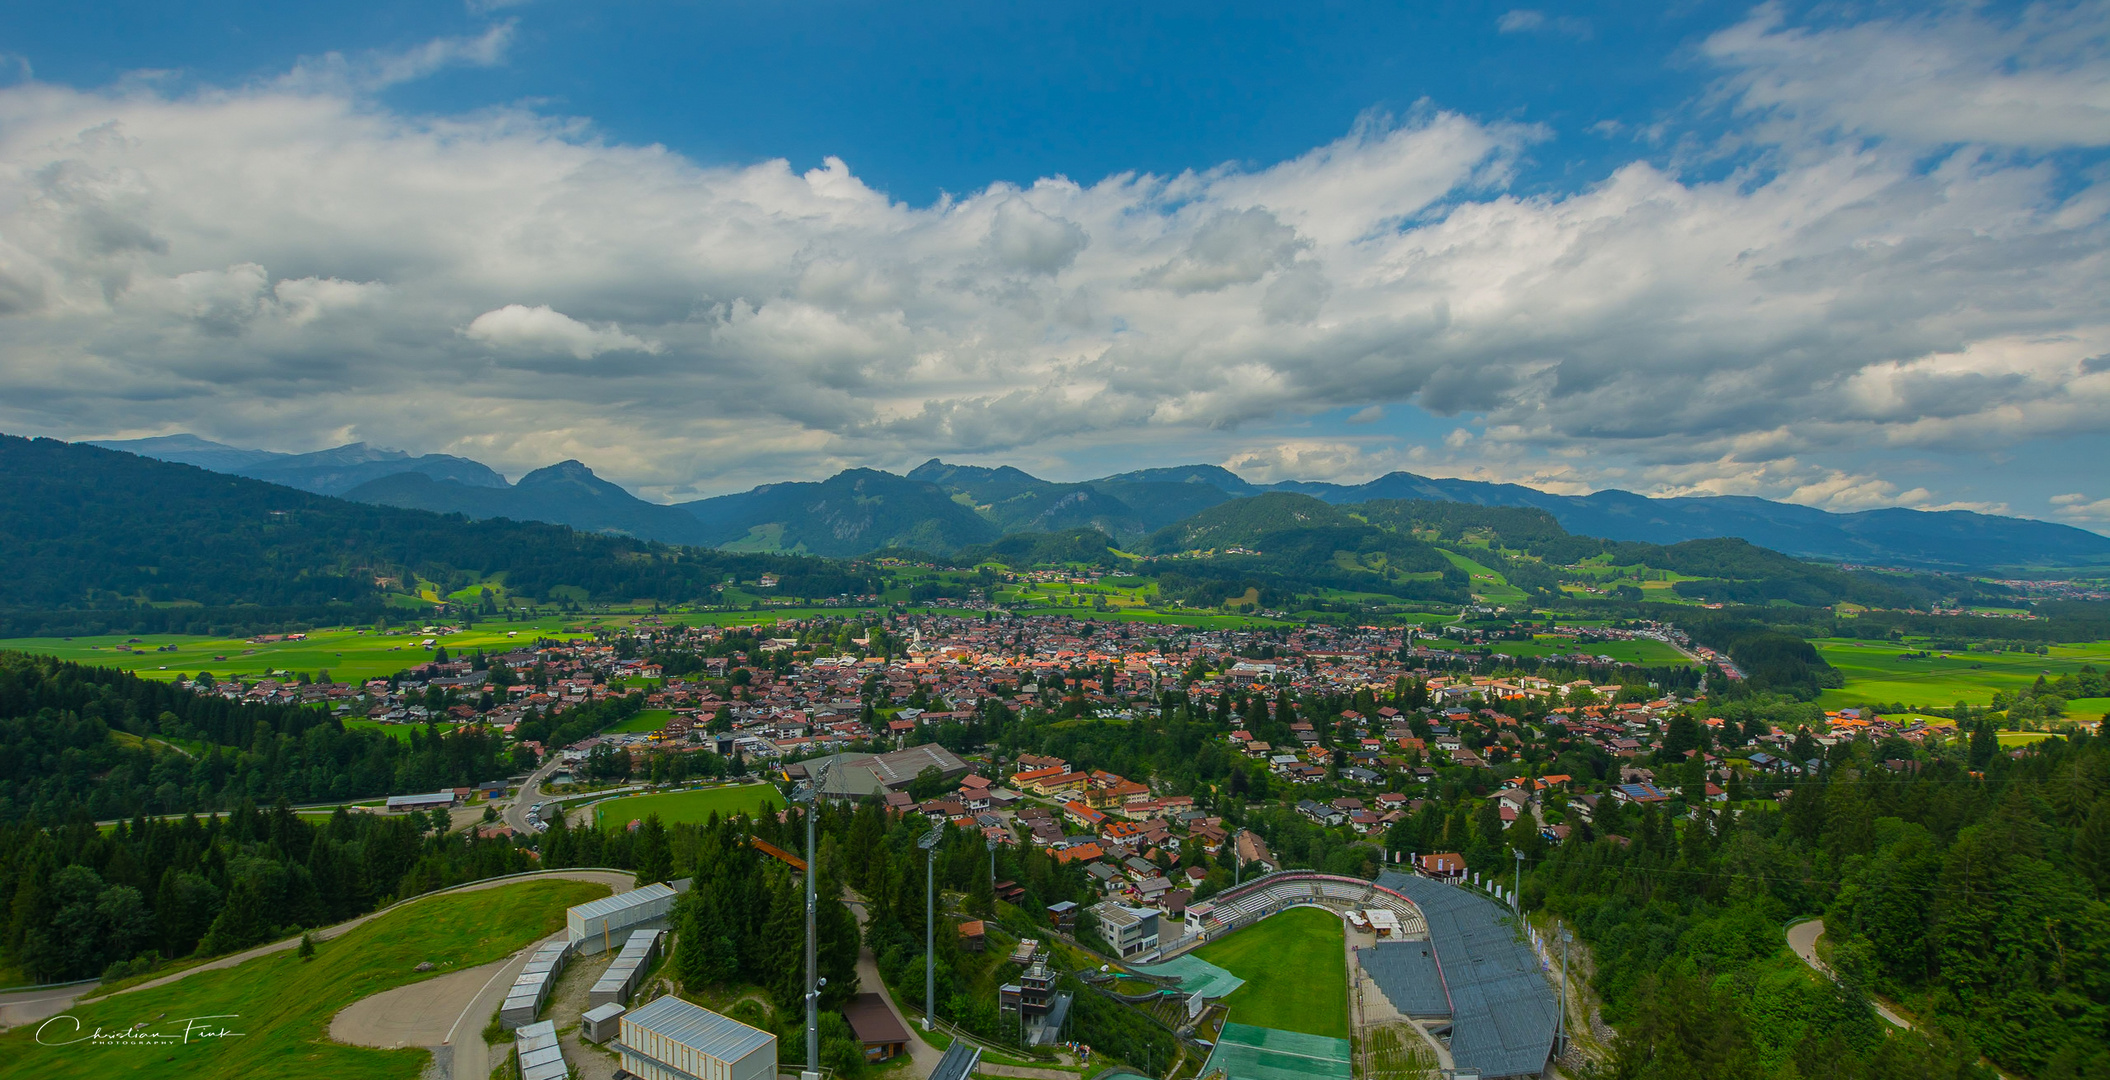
(282, 1004)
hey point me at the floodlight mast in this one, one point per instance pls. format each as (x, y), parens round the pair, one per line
(929, 844)
(811, 796)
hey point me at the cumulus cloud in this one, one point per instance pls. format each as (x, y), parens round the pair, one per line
(542, 330)
(264, 263)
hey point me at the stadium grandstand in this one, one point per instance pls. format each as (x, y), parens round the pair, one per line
(1501, 1007)
(1255, 900)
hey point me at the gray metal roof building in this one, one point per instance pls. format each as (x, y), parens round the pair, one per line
(622, 977)
(540, 1056)
(1502, 1007)
(858, 775)
(599, 925)
(672, 1039)
(533, 985)
(599, 1024)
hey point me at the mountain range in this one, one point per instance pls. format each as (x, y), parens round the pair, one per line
(941, 508)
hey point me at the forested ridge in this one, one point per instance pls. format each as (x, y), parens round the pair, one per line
(81, 902)
(1976, 899)
(83, 528)
(64, 750)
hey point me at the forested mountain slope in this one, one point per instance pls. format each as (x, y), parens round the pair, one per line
(83, 527)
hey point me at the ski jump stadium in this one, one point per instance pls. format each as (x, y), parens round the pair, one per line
(1450, 970)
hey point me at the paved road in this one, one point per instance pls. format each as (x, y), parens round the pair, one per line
(529, 793)
(1802, 937)
(922, 1055)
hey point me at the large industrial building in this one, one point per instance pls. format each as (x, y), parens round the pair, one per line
(852, 776)
(672, 1039)
(600, 925)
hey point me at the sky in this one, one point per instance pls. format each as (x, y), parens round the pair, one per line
(1846, 255)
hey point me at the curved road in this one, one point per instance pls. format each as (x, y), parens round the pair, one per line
(31, 1006)
(1802, 937)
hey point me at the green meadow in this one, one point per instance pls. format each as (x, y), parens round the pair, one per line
(1880, 671)
(689, 807)
(347, 653)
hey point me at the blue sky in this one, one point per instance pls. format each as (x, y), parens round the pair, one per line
(1849, 256)
(953, 96)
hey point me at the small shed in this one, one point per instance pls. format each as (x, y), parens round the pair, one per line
(883, 1036)
(973, 936)
(601, 1023)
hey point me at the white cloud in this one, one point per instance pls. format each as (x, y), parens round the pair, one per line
(268, 262)
(2080, 509)
(540, 329)
(1528, 21)
(1948, 75)
(381, 68)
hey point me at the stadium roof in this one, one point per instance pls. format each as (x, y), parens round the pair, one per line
(1502, 1008)
(1406, 971)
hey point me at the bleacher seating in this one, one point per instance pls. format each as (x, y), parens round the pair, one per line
(1264, 896)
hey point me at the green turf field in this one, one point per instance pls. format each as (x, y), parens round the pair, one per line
(648, 720)
(1876, 672)
(1295, 969)
(689, 806)
(1249, 1052)
(281, 1005)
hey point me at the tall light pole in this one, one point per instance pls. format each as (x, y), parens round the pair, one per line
(990, 843)
(1516, 896)
(811, 796)
(1560, 1030)
(929, 844)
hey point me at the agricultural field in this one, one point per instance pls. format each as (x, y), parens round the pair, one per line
(1879, 672)
(1644, 652)
(347, 653)
(1486, 582)
(689, 807)
(1295, 968)
(277, 1008)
